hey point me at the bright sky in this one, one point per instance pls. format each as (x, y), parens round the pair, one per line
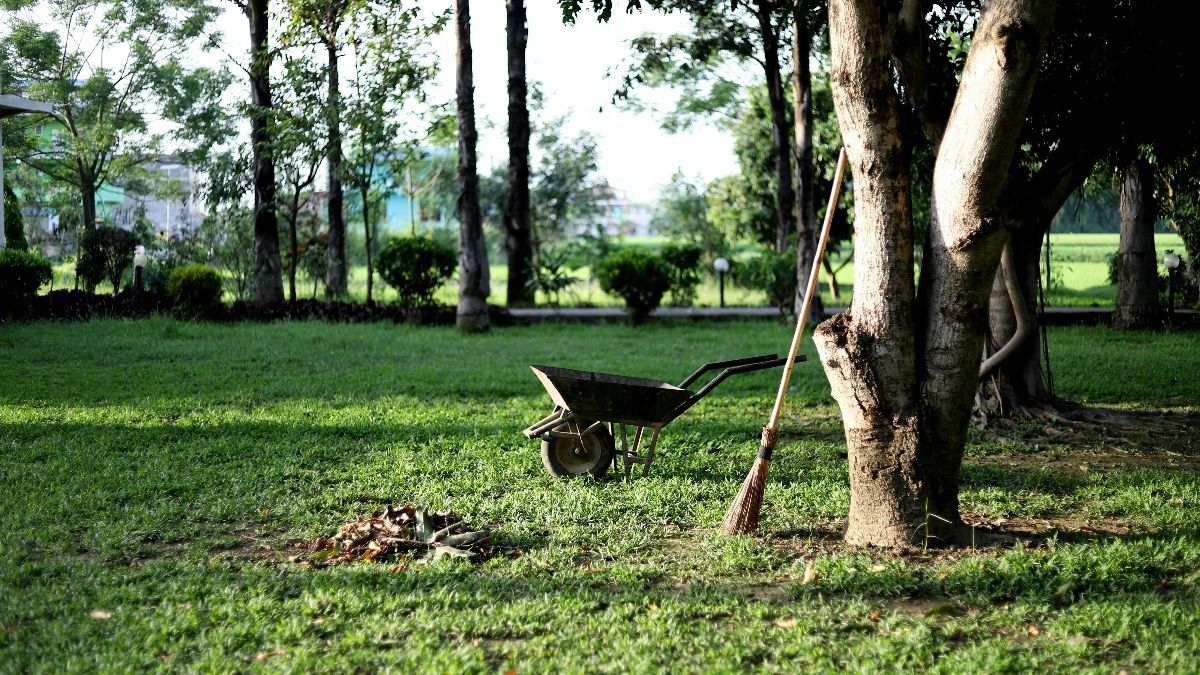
(570, 62)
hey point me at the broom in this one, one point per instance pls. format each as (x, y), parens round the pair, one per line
(742, 516)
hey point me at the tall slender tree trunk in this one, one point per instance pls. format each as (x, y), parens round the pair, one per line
(905, 373)
(1137, 266)
(806, 213)
(473, 283)
(516, 209)
(268, 278)
(293, 248)
(785, 197)
(365, 194)
(336, 274)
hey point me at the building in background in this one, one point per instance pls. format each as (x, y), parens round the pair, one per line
(621, 215)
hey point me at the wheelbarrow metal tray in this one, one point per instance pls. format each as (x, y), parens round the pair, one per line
(612, 398)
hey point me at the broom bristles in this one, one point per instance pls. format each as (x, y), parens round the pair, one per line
(742, 516)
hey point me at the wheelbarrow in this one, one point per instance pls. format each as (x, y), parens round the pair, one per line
(592, 410)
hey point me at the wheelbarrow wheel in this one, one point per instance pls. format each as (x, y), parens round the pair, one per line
(571, 457)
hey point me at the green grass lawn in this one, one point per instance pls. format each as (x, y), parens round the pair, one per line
(155, 474)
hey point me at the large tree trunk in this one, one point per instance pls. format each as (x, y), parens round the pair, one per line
(268, 277)
(785, 198)
(473, 283)
(335, 275)
(868, 352)
(806, 213)
(1137, 266)
(905, 389)
(966, 234)
(516, 209)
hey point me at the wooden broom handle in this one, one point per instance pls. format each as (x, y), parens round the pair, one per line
(773, 423)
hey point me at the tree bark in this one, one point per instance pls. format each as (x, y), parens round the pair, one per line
(806, 213)
(268, 279)
(516, 208)
(785, 198)
(1137, 266)
(473, 283)
(967, 233)
(336, 274)
(868, 352)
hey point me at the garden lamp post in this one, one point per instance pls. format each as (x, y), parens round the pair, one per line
(139, 262)
(1171, 262)
(721, 265)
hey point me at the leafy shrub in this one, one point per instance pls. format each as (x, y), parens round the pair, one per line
(105, 253)
(416, 268)
(313, 259)
(21, 275)
(196, 289)
(684, 261)
(639, 277)
(550, 275)
(772, 273)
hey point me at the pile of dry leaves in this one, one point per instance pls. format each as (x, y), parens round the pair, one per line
(402, 532)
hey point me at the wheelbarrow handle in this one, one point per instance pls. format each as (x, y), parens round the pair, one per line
(763, 358)
(746, 366)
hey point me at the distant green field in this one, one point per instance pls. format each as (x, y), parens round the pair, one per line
(1078, 266)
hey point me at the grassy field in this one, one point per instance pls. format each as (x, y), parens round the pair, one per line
(156, 477)
(1079, 271)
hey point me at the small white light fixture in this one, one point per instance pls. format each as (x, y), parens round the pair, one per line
(139, 257)
(721, 265)
(1171, 261)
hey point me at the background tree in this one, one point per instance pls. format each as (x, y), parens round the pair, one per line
(325, 19)
(473, 282)
(683, 214)
(299, 147)
(268, 273)
(101, 132)
(385, 102)
(748, 32)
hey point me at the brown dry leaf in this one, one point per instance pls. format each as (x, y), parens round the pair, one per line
(1033, 630)
(263, 656)
(874, 617)
(810, 575)
(652, 607)
(100, 614)
(784, 623)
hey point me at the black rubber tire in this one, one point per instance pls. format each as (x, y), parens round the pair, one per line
(599, 450)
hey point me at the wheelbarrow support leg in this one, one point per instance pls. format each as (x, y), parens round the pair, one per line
(650, 452)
